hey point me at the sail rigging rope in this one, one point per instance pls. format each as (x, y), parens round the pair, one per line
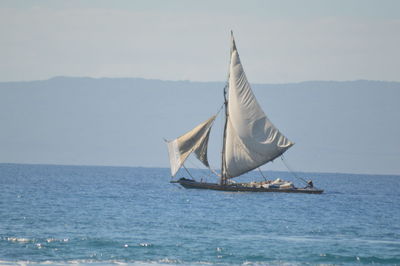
(291, 171)
(219, 110)
(259, 169)
(188, 171)
(197, 167)
(193, 164)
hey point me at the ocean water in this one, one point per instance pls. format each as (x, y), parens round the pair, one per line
(120, 215)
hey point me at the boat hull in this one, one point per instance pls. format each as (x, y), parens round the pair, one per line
(191, 184)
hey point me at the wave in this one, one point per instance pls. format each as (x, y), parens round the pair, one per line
(325, 259)
(32, 240)
(165, 261)
(334, 258)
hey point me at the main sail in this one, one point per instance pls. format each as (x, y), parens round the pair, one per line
(251, 140)
(195, 141)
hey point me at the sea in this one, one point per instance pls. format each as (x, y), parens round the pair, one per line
(89, 215)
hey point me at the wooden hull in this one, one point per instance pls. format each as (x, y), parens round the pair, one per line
(191, 184)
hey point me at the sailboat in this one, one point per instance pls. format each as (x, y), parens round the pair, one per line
(250, 140)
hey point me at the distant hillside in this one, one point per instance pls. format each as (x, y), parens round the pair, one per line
(337, 126)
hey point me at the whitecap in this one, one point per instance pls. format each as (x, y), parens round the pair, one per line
(19, 240)
(145, 244)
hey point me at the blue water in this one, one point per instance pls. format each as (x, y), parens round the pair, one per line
(114, 215)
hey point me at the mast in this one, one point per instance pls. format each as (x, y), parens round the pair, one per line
(223, 166)
(223, 161)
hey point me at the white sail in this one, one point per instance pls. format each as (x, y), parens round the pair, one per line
(195, 140)
(251, 139)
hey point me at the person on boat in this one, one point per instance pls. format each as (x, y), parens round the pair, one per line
(309, 184)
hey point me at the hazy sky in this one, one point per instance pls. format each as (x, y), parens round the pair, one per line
(279, 41)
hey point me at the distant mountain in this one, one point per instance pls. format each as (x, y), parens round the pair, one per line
(350, 126)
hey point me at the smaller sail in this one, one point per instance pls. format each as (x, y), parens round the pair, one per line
(195, 141)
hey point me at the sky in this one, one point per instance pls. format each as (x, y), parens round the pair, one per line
(279, 41)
